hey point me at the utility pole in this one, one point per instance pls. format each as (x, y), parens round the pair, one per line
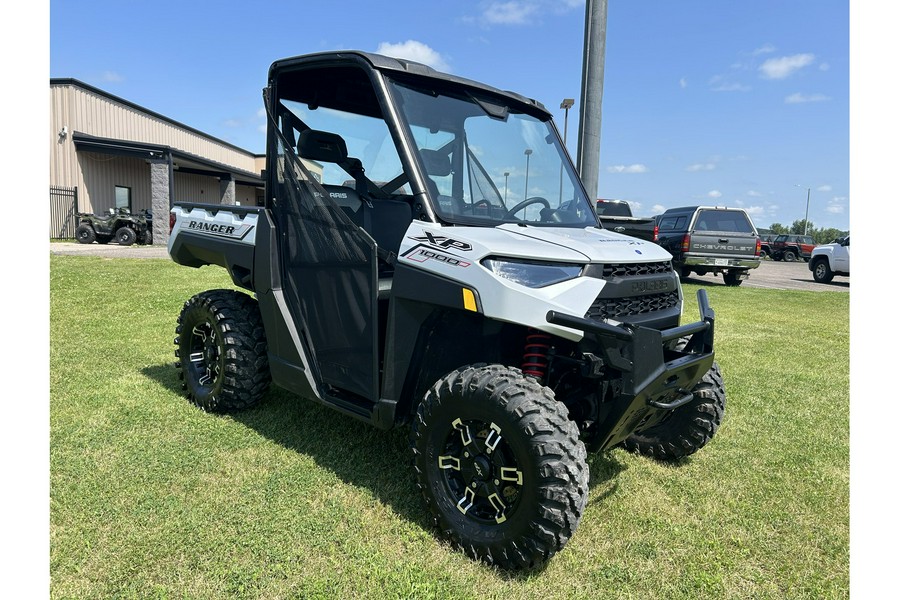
(591, 95)
(806, 217)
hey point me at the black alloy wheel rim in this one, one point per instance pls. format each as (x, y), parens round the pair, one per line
(480, 471)
(205, 356)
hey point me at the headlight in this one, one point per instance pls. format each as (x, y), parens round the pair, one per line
(532, 274)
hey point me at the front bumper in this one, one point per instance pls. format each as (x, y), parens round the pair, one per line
(654, 380)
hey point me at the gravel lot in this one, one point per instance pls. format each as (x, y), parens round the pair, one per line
(770, 274)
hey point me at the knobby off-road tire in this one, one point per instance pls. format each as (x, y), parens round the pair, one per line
(125, 236)
(221, 349)
(500, 465)
(687, 428)
(85, 234)
(790, 256)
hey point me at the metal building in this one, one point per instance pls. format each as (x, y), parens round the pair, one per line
(107, 152)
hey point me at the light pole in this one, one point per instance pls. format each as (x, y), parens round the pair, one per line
(505, 186)
(528, 152)
(805, 218)
(566, 104)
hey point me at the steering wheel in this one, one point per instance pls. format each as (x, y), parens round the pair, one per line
(526, 202)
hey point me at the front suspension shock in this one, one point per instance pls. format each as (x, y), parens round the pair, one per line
(535, 361)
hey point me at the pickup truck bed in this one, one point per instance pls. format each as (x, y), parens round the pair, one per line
(616, 215)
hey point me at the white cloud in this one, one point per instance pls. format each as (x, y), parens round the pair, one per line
(764, 49)
(232, 123)
(824, 67)
(636, 168)
(415, 51)
(112, 77)
(523, 12)
(682, 82)
(509, 13)
(658, 208)
(799, 98)
(701, 167)
(780, 68)
(755, 211)
(836, 205)
(754, 194)
(823, 188)
(714, 194)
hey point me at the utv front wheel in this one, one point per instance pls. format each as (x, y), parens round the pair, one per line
(688, 428)
(500, 465)
(221, 349)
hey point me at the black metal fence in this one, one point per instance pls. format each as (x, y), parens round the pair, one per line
(63, 207)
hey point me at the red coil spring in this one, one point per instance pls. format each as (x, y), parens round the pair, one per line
(537, 347)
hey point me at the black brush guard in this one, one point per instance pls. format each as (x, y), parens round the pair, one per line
(651, 384)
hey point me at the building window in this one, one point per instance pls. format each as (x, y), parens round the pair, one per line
(123, 197)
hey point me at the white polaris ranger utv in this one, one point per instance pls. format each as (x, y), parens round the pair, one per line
(427, 255)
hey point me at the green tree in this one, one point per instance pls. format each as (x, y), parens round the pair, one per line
(801, 227)
(778, 229)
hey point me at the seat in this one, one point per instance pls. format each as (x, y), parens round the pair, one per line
(384, 218)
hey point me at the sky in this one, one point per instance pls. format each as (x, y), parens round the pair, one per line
(740, 104)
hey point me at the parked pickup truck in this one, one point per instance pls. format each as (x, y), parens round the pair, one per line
(710, 239)
(829, 260)
(615, 215)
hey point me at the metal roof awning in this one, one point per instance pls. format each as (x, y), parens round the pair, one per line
(182, 162)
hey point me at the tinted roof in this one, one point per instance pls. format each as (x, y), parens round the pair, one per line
(404, 67)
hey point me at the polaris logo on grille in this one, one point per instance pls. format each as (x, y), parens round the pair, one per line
(219, 229)
(639, 287)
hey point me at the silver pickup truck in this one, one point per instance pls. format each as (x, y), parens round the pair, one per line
(710, 239)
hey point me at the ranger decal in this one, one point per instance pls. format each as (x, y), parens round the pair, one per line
(219, 229)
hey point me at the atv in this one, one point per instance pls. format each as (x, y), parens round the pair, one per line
(120, 225)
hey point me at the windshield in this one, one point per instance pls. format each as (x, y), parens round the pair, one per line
(487, 163)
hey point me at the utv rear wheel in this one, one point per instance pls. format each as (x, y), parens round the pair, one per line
(687, 428)
(84, 233)
(500, 465)
(221, 349)
(790, 256)
(125, 236)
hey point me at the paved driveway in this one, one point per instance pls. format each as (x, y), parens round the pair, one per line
(780, 275)
(111, 250)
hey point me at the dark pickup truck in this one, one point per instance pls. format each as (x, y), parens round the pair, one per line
(615, 215)
(710, 239)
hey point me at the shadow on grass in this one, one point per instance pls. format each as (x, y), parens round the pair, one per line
(361, 455)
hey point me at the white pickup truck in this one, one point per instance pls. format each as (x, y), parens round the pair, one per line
(829, 260)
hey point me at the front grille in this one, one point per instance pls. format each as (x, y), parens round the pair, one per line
(634, 269)
(621, 308)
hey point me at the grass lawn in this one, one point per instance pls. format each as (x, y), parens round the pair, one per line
(153, 498)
